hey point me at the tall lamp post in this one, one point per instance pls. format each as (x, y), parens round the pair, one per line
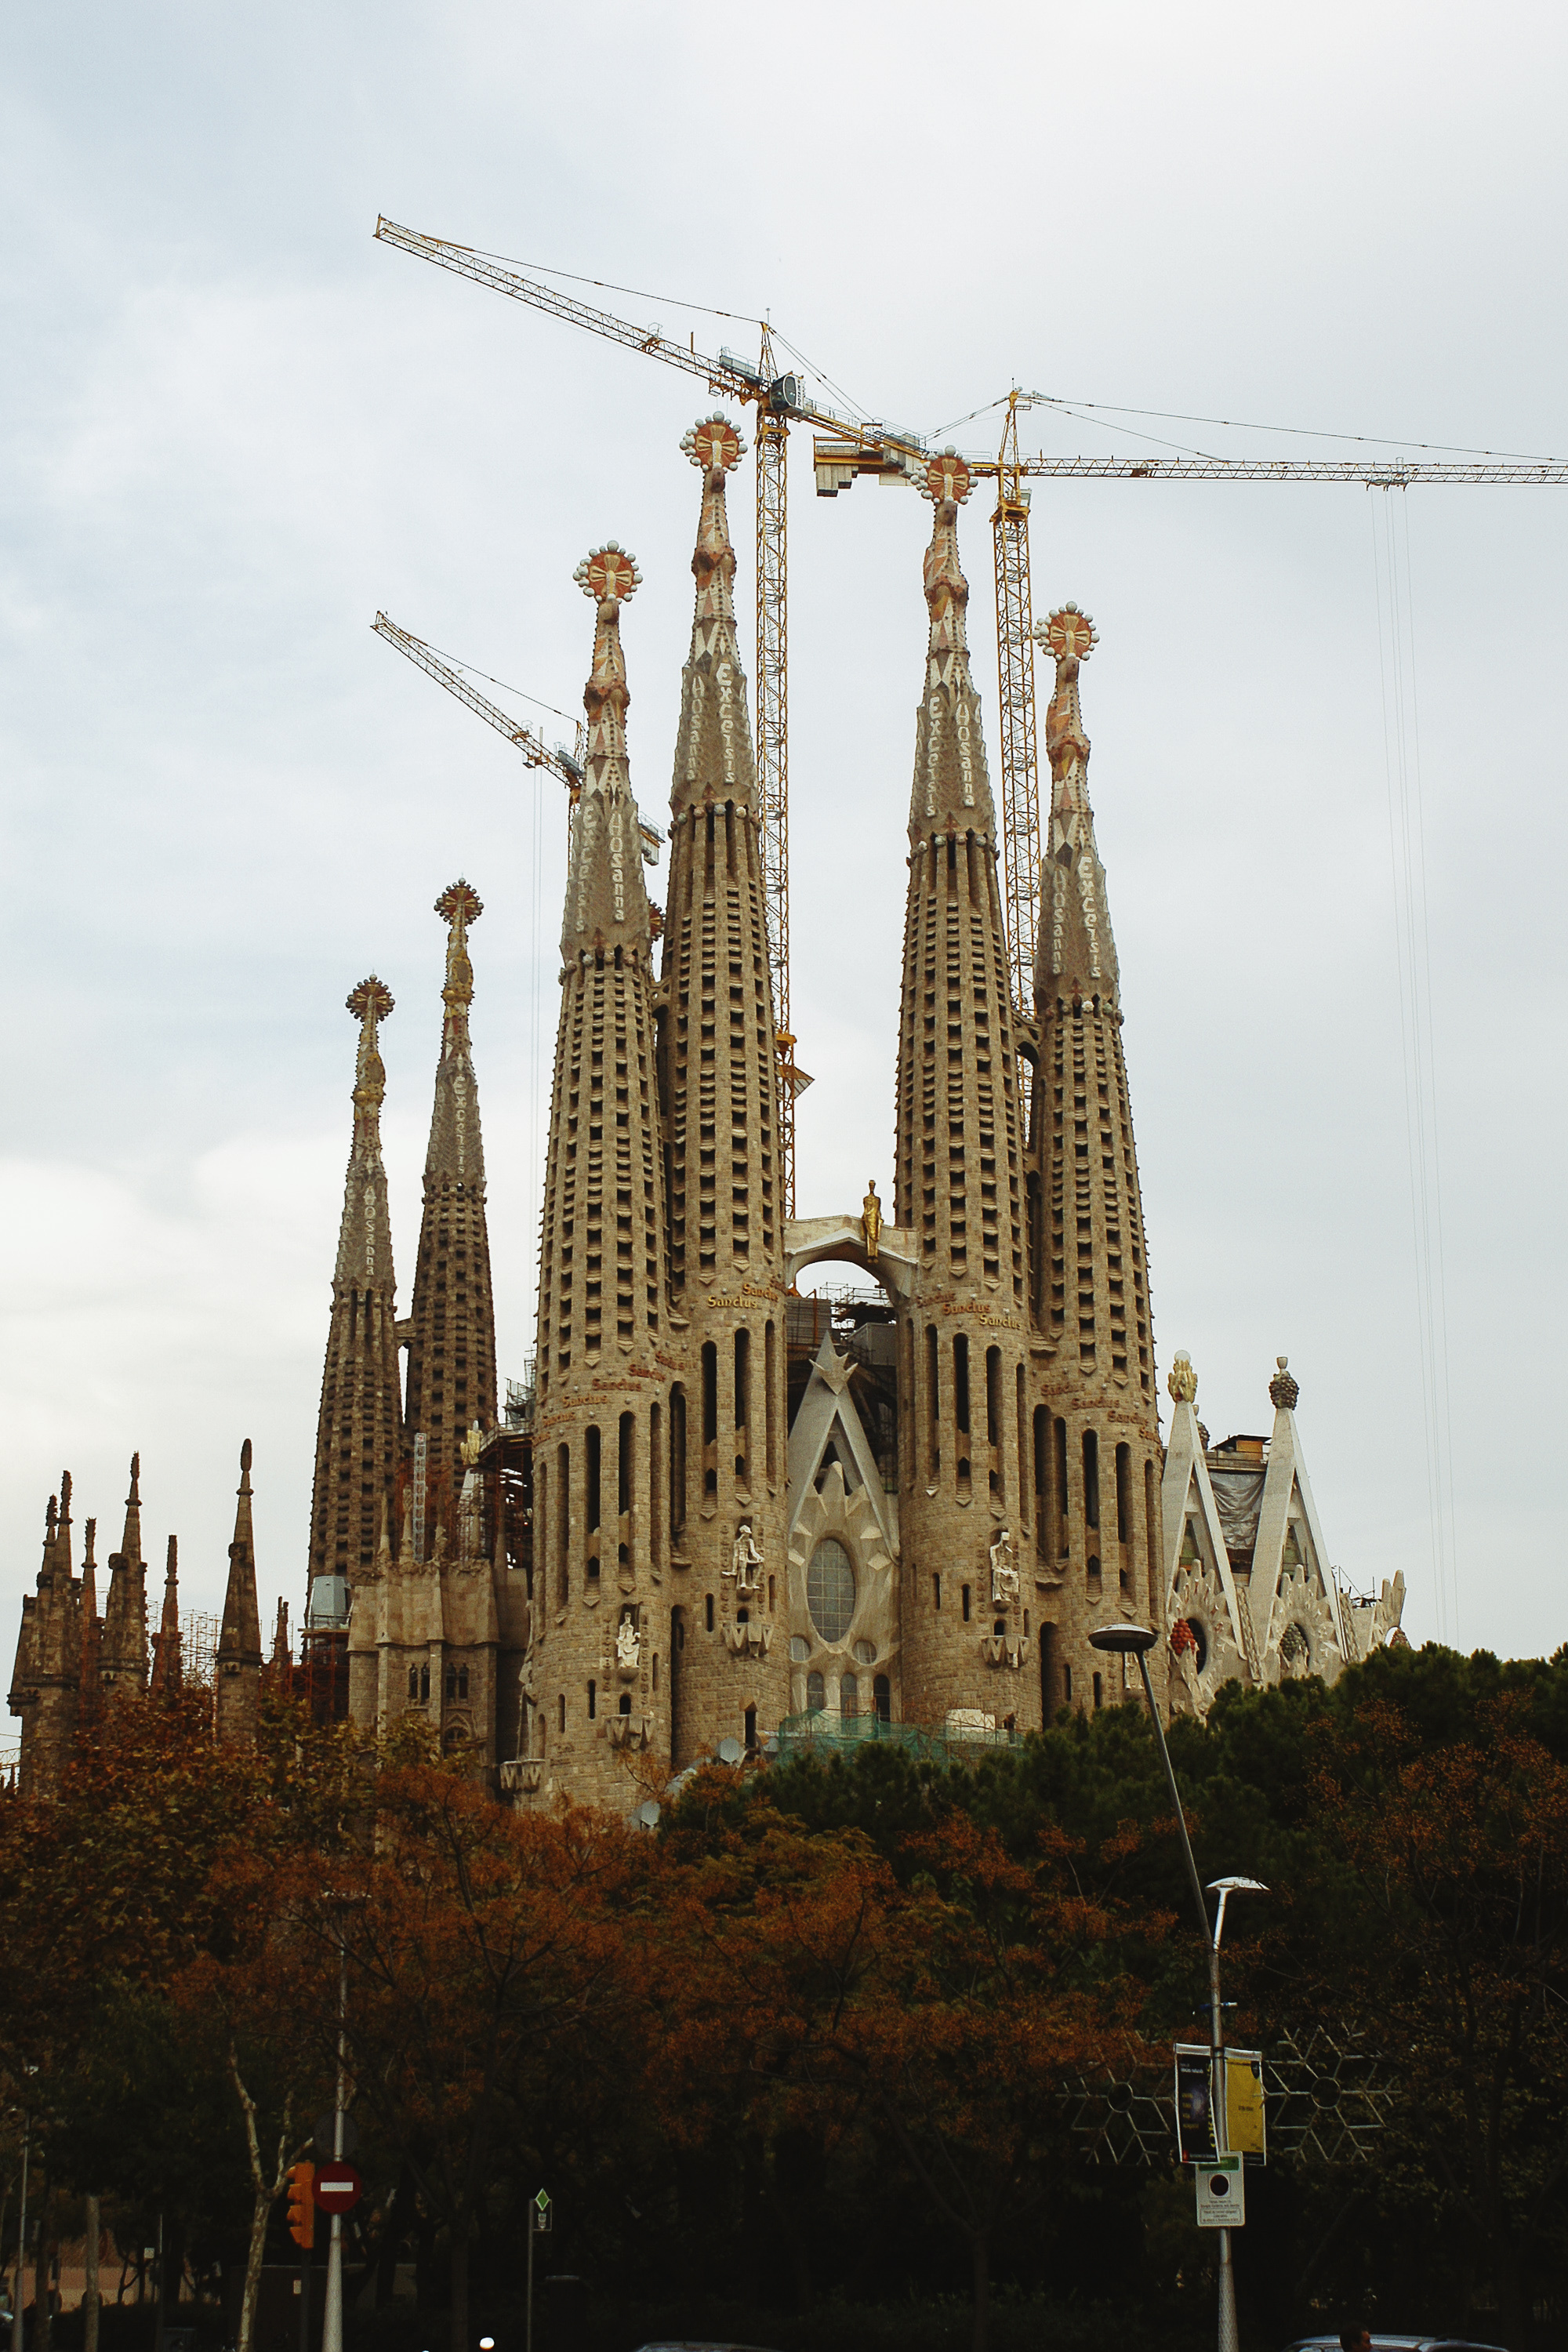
(332, 2310)
(1137, 1641)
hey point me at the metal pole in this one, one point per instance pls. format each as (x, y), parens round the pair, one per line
(1227, 2339)
(533, 2233)
(16, 2336)
(158, 2321)
(332, 2313)
(304, 2299)
(90, 2298)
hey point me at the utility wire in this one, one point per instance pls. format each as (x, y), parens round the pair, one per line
(608, 285)
(1307, 432)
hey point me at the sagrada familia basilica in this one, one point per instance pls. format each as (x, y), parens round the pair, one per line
(706, 1522)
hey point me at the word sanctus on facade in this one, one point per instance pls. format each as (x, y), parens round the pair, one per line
(724, 1511)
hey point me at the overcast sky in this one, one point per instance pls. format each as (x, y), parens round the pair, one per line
(235, 426)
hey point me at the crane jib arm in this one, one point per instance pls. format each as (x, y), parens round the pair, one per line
(721, 373)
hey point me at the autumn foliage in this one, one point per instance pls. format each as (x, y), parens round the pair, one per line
(819, 2008)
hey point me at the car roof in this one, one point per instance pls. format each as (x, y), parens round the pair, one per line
(1329, 2342)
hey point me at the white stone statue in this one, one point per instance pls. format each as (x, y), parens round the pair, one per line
(1004, 1574)
(747, 1560)
(628, 1643)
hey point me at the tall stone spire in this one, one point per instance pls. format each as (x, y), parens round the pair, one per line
(358, 1429)
(46, 1689)
(1098, 1469)
(238, 1696)
(599, 1432)
(92, 1623)
(123, 1654)
(968, 1624)
(168, 1668)
(730, 1673)
(451, 1332)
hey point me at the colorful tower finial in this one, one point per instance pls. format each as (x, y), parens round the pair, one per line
(952, 788)
(459, 905)
(1075, 949)
(606, 903)
(716, 448)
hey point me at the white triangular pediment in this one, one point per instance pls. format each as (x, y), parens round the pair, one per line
(829, 1415)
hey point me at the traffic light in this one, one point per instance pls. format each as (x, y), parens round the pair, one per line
(302, 2205)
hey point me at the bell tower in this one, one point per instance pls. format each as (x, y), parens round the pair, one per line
(967, 1619)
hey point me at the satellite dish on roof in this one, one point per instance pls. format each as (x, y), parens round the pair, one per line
(648, 1813)
(729, 1751)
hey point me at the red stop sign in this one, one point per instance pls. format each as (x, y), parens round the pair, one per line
(338, 2187)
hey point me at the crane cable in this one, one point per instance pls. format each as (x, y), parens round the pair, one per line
(1412, 955)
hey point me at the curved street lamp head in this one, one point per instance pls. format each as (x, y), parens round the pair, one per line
(1130, 1640)
(1237, 1886)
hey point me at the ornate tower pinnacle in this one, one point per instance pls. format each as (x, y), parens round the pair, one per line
(451, 1329)
(358, 1426)
(168, 1675)
(606, 905)
(1076, 949)
(713, 758)
(92, 1623)
(715, 448)
(951, 783)
(238, 1693)
(123, 1651)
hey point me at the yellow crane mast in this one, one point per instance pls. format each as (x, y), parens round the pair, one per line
(1015, 691)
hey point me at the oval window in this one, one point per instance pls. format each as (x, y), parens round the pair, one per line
(830, 1589)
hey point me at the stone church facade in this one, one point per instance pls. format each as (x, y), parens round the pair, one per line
(723, 1514)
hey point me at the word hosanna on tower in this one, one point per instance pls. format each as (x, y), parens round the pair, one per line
(707, 1521)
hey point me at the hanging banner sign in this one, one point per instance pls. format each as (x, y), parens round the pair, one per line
(1245, 2134)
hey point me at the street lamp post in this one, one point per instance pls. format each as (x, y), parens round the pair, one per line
(333, 2308)
(1137, 1641)
(17, 2334)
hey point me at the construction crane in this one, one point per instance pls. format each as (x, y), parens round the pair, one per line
(779, 399)
(566, 765)
(840, 460)
(847, 448)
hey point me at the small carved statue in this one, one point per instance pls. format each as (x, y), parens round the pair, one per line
(1004, 1574)
(1182, 1381)
(871, 1219)
(628, 1643)
(472, 1445)
(746, 1558)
